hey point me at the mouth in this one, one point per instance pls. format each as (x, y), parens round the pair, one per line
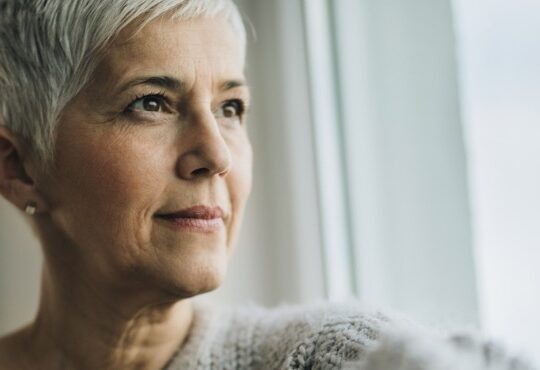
(200, 218)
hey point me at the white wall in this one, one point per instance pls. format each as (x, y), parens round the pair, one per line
(500, 63)
(20, 261)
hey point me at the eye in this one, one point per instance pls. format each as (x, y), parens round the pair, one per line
(232, 109)
(148, 103)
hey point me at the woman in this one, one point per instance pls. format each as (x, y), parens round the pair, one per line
(139, 201)
(123, 139)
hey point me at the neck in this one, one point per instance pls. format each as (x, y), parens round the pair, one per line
(78, 328)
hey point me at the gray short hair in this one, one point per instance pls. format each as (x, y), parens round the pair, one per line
(49, 49)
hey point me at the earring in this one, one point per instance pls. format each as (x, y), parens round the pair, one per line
(30, 208)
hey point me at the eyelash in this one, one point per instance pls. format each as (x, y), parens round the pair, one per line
(160, 95)
(241, 105)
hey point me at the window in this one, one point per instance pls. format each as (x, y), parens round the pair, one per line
(426, 127)
(499, 50)
(402, 148)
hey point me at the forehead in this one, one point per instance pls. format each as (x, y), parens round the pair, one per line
(197, 50)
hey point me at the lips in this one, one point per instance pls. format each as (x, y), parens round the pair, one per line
(202, 219)
(195, 212)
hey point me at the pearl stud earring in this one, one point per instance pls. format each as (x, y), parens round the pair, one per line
(30, 208)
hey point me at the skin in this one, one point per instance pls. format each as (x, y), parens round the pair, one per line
(117, 281)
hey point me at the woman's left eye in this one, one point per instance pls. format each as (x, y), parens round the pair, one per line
(232, 109)
(148, 103)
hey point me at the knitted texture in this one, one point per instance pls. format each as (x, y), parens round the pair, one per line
(326, 336)
(318, 336)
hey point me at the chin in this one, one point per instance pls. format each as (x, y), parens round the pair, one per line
(193, 277)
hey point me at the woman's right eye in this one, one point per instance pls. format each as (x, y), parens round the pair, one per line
(148, 103)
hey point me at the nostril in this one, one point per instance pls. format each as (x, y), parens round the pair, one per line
(200, 172)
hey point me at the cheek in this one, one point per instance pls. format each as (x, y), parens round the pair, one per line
(115, 173)
(110, 185)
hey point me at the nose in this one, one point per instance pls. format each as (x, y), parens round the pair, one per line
(205, 152)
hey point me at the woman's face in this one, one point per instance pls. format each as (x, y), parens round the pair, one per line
(160, 128)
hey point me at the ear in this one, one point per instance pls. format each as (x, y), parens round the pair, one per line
(16, 185)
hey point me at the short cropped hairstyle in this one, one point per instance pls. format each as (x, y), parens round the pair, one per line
(50, 48)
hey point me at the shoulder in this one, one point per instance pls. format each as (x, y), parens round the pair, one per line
(288, 337)
(324, 319)
(355, 336)
(318, 335)
(325, 336)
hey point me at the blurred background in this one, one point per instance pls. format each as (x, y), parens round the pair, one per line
(397, 161)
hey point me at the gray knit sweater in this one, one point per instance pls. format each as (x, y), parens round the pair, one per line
(327, 336)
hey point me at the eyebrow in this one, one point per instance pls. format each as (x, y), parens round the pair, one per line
(233, 84)
(171, 83)
(165, 82)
